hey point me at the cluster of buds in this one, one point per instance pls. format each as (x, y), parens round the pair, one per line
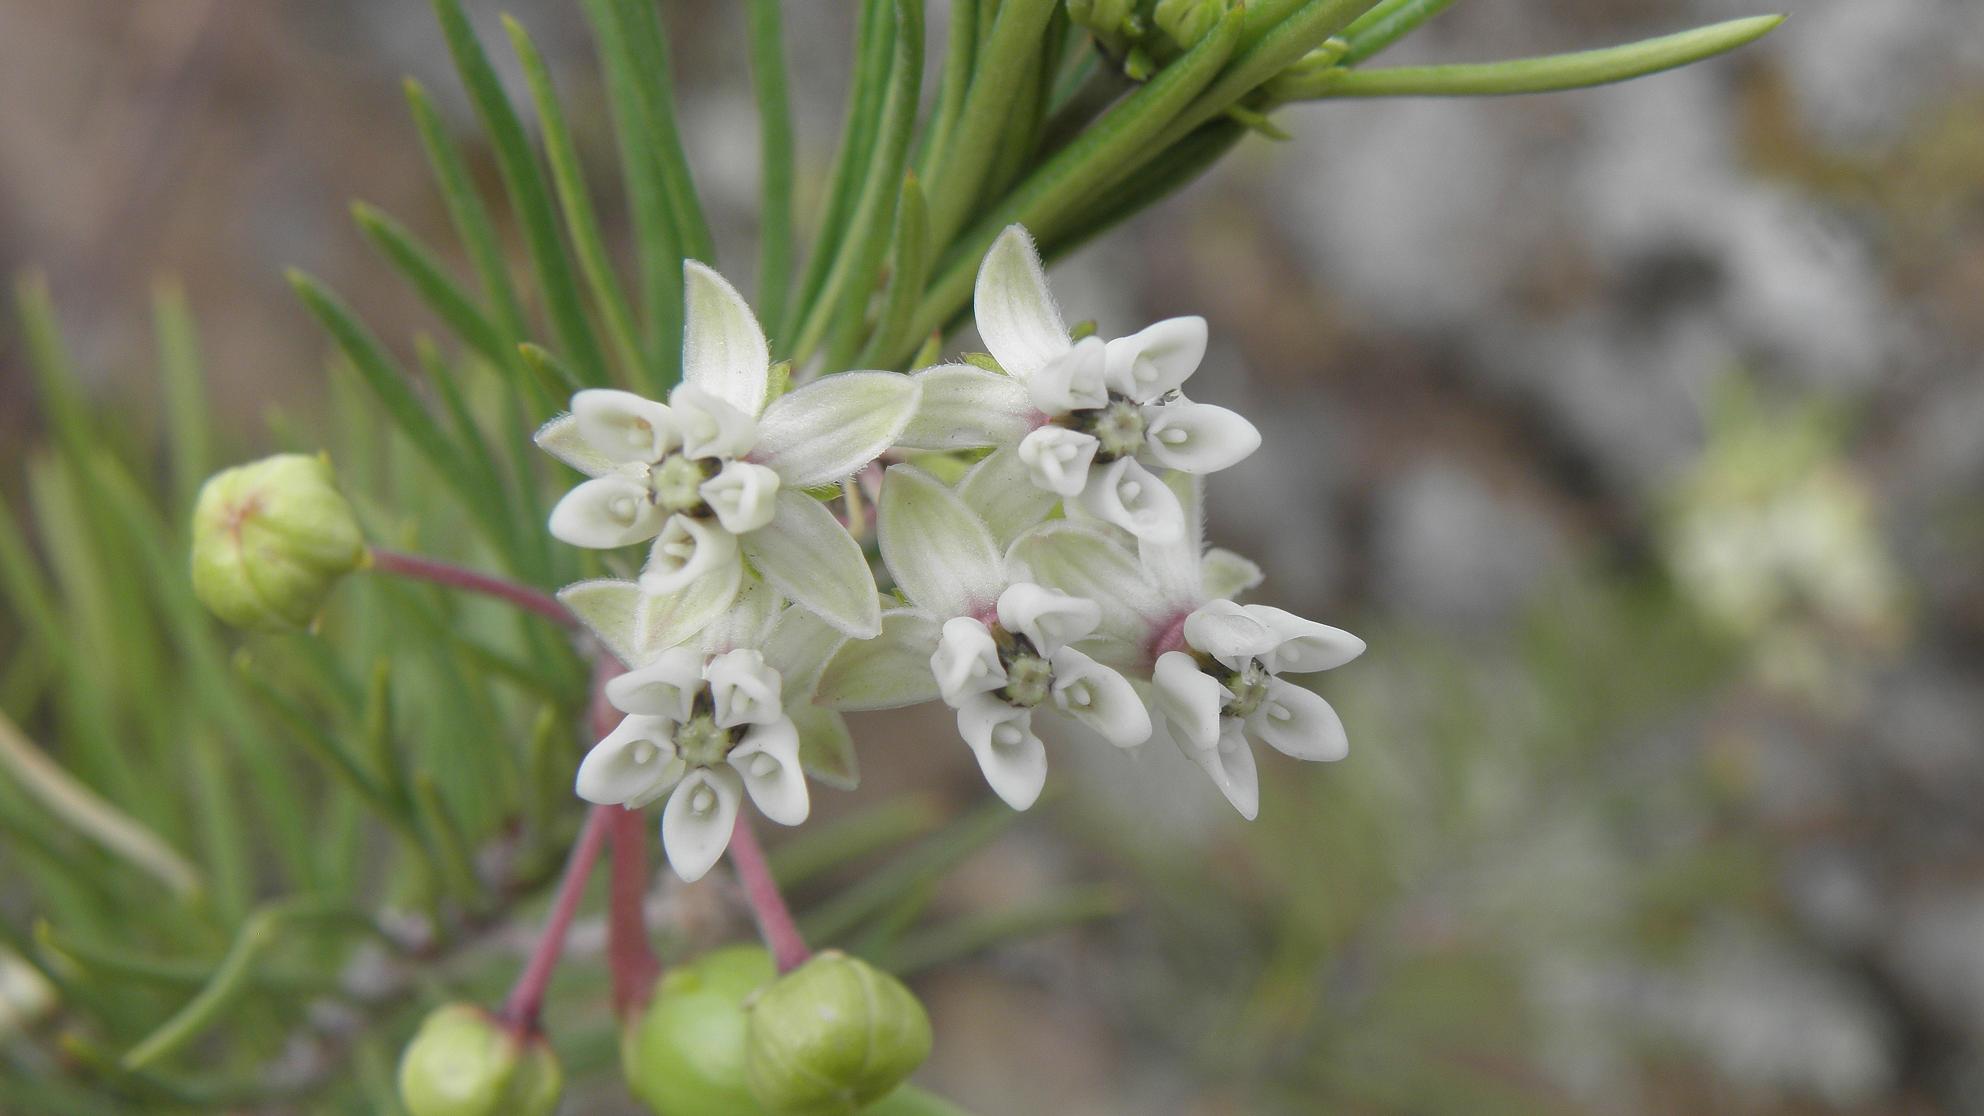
(1059, 571)
(1142, 35)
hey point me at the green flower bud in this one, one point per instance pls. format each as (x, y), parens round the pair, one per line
(1187, 21)
(465, 1063)
(685, 1055)
(833, 1036)
(271, 539)
(1104, 17)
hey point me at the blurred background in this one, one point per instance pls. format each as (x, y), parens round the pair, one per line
(1640, 431)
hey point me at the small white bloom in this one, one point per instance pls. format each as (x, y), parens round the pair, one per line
(1214, 666)
(714, 476)
(994, 647)
(1088, 415)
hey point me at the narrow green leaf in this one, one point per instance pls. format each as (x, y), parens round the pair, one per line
(1177, 167)
(530, 196)
(188, 415)
(1539, 75)
(842, 306)
(845, 840)
(1000, 70)
(775, 144)
(909, 263)
(874, 37)
(1282, 46)
(648, 40)
(974, 933)
(928, 861)
(546, 368)
(431, 281)
(960, 47)
(444, 835)
(581, 222)
(1386, 24)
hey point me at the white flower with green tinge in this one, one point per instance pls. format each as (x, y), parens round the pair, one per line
(1214, 667)
(709, 723)
(1087, 417)
(716, 476)
(995, 649)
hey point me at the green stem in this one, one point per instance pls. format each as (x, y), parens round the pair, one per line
(995, 84)
(775, 157)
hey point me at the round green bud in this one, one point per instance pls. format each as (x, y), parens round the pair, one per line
(833, 1036)
(685, 1055)
(465, 1063)
(1188, 21)
(271, 539)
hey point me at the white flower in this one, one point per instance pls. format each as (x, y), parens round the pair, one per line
(709, 724)
(1086, 417)
(1215, 667)
(994, 648)
(716, 475)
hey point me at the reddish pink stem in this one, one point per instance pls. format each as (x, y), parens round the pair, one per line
(417, 568)
(628, 954)
(775, 923)
(526, 1000)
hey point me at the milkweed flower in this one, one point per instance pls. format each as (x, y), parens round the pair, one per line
(1088, 418)
(711, 722)
(716, 476)
(997, 649)
(1214, 667)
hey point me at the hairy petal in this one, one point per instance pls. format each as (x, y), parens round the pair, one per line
(807, 556)
(1001, 490)
(941, 553)
(1083, 560)
(723, 349)
(965, 407)
(833, 426)
(1014, 309)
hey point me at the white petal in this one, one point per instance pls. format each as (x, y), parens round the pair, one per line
(696, 825)
(1083, 560)
(1299, 723)
(768, 760)
(941, 553)
(1157, 358)
(1188, 698)
(1303, 645)
(887, 672)
(710, 426)
(606, 512)
(1198, 437)
(1225, 631)
(666, 687)
(1099, 698)
(672, 618)
(1231, 766)
(807, 555)
(743, 690)
(1014, 309)
(723, 349)
(1011, 756)
(1000, 489)
(1072, 381)
(964, 407)
(746, 622)
(741, 496)
(799, 647)
(1058, 459)
(633, 765)
(833, 426)
(1048, 617)
(966, 661)
(1173, 565)
(1132, 497)
(687, 550)
(561, 439)
(1227, 574)
(612, 610)
(623, 426)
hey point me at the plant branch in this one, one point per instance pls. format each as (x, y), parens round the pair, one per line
(416, 568)
(775, 922)
(628, 955)
(526, 1000)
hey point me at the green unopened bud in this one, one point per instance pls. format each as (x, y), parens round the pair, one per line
(685, 1055)
(1311, 74)
(271, 539)
(833, 1036)
(465, 1063)
(1106, 18)
(1188, 21)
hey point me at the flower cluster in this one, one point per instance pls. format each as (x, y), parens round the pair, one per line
(1037, 511)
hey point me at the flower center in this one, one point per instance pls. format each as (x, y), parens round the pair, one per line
(1118, 427)
(1250, 689)
(676, 479)
(1029, 676)
(701, 742)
